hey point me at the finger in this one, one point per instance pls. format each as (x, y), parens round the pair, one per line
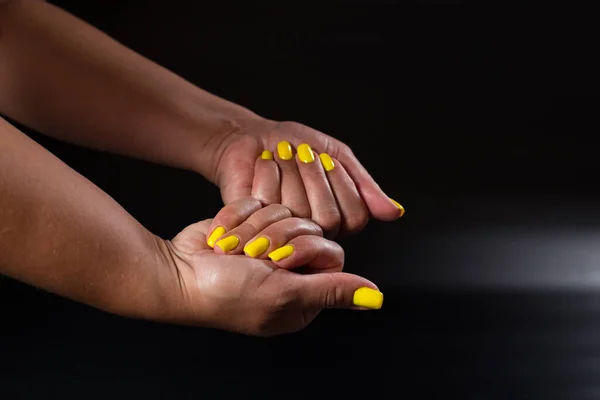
(313, 253)
(293, 195)
(235, 239)
(192, 238)
(238, 185)
(323, 205)
(278, 234)
(230, 216)
(266, 185)
(379, 204)
(337, 290)
(354, 212)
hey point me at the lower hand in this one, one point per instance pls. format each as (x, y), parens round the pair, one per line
(259, 293)
(312, 174)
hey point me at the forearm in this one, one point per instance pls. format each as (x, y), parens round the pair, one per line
(66, 79)
(63, 234)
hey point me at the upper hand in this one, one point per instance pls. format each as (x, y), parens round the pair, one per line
(334, 190)
(259, 293)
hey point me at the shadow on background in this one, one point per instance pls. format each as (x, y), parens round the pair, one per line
(482, 129)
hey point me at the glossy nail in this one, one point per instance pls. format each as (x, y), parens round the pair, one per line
(267, 155)
(368, 298)
(305, 154)
(327, 162)
(281, 253)
(229, 243)
(257, 247)
(284, 149)
(399, 206)
(217, 233)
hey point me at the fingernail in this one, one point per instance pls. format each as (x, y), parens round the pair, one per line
(267, 155)
(326, 161)
(257, 247)
(229, 243)
(399, 206)
(368, 298)
(305, 154)
(284, 149)
(217, 233)
(281, 253)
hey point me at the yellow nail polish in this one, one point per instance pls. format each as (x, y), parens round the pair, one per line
(327, 162)
(399, 206)
(305, 154)
(229, 243)
(257, 247)
(368, 298)
(284, 149)
(281, 253)
(266, 155)
(217, 233)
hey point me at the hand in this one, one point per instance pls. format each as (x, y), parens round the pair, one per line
(262, 296)
(332, 187)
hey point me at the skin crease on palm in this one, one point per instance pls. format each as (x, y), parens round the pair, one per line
(90, 90)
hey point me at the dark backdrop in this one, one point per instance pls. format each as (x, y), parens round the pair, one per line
(482, 125)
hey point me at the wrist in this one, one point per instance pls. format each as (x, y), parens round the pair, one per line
(212, 122)
(170, 300)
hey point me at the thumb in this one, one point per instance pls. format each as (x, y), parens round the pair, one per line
(338, 290)
(380, 205)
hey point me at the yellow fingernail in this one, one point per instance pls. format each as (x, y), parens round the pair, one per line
(257, 247)
(267, 155)
(305, 154)
(229, 243)
(326, 161)
(217, 233)
(281, 253)
(284, 149)
(399, 206)
(368, 298)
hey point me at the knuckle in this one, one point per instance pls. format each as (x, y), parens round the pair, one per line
(332, 295)
(252, 202)
(318, 231)
(264, 199)
(341, 150)
(357, 221)
(279, 210)
(301, 211)
(290, 125)
(345, 149)
(329, 219)
(248, 201)
(304, 224)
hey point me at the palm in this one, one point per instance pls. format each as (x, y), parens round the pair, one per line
(236, 286)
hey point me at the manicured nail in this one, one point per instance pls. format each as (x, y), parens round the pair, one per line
(305, 154)
(257, 247)
(229, 243)
(284, 149)
(399, 206)
(217, 233)
(281, 253)
(368, 298)
(266, 155)
(327, 162)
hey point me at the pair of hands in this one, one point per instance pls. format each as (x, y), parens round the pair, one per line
(262, 266)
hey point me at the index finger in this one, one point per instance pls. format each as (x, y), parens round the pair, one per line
(230, 216)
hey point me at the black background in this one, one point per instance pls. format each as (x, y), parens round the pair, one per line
(481, 124)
